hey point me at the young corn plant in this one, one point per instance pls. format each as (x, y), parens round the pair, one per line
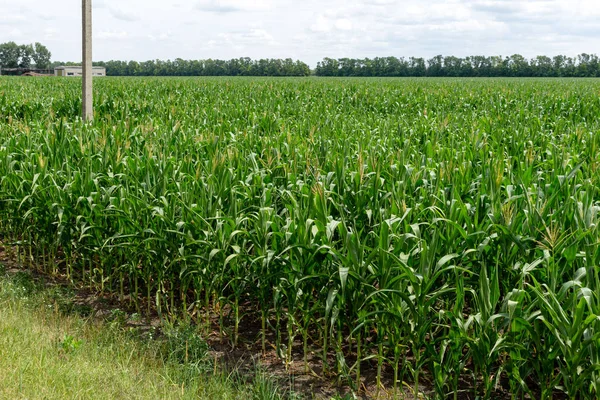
(444, 232)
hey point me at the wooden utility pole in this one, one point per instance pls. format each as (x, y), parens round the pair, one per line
(87, 99)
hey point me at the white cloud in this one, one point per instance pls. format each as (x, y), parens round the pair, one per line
(123, 15)
(112, 35)
(228, 6)
(160, 37)
(321, 24)
(216, 6)
(50, 33)
(308, 29)
(16, 33)
(326, 24)
(12, 19)
(343, 24)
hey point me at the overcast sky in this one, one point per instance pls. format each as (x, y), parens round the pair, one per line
(306, 29)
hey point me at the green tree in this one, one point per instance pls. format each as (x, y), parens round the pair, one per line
(301, 69)
(26, 53)
(328, 67)
(518, 65)
(347, 67)
(587, 65)
(542, 66)
(453, 66)
(435, 66)
(558, 65)
(417, 66)
(9, 55)
(41, 56)
(498, 66)
(396, 67)
(466, 67)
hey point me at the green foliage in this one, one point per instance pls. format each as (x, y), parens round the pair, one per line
(41, 56)
(184, 344)
(21, 285)
(10, 54)
(445, 229)
(266, 388)
(584, 65)
(13, 55)
(235, 67)
(69, 344)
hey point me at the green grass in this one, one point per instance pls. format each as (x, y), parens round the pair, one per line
(46, 353)
(436, 230)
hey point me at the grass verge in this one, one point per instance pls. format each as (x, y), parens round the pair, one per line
(49, 353)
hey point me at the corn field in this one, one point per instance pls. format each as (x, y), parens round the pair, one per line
(444, 232)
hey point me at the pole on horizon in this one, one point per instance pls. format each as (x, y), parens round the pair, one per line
(87, 99)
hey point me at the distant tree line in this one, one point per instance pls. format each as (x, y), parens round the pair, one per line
(180, 67)
(13, 55)
(584, 65)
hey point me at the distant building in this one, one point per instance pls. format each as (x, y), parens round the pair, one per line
(26, 71)
(78, 71)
